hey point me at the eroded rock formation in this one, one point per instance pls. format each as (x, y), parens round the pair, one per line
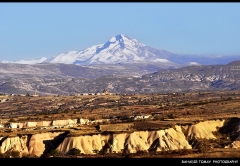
(204, 129)
(174, 138)
(16, 143)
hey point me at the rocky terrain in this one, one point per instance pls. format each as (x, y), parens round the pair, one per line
(157, 125)
(45, 79)
(175, 138)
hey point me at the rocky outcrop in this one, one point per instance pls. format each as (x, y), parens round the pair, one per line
(175, 138)
(169, 139)
(37, 124)
(16, 143)
(84, 121)
(68, 122)
(234, 144)
(204, 129)
(44, 142)
(33, 144)
(3, 100)
(53, 123)
(87, 144)
(15, 125)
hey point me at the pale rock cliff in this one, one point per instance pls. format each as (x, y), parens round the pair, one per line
(86, 143)
(173, 138)
(67, 122)
(84, 121)
(234, 144)
(16, 143)
(169, 139)
(42, 142)
(204, 129)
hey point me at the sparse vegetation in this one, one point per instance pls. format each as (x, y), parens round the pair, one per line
(55, 152)
(75, 152)
(11, 153)
(164, 111)
(27, 155)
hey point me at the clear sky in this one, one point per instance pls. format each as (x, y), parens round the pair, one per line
(34, 30)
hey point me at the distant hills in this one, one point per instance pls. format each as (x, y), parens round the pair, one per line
(65, 79)
(120, 65)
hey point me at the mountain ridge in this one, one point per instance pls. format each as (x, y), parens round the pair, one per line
(123, 49)
(68, 79)
(118, 49)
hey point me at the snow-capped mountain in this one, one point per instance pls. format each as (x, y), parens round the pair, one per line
(118, 49)
(122, 49)
(193, 64)
(34, 61)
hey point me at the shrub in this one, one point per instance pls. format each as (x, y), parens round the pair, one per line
(27, 155)
(75, 152)
(12, 120)
(95, 151)
(46, 155)
(2, 155)
(105, 149)
(185, 151)
(171, 116)
(203, 147)
(54, 152)
(12, 154)
(158, 117)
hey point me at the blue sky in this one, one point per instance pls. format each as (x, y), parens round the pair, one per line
(34, 30)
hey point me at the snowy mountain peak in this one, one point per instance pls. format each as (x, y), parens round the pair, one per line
(119, 42)
(123, 40)
(120, 37)
(118, 49)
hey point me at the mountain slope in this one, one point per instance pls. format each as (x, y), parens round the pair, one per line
(118, 49)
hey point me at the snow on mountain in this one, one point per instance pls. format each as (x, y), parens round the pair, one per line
(34, 61)
(193, 64)
(118, 49)
(122, 49)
